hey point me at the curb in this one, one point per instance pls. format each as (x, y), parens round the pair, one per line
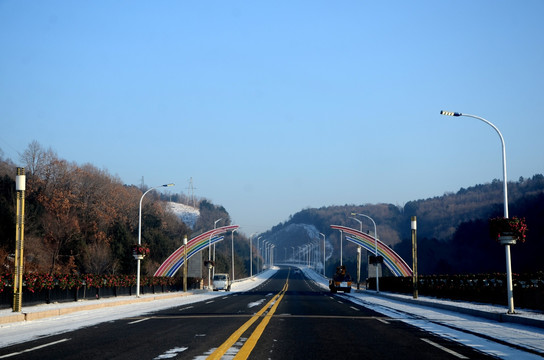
(36, 315)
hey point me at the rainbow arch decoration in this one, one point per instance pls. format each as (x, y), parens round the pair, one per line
(390, 258)
(172, 264)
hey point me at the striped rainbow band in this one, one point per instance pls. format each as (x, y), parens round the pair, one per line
(390, 258)
(171, 265)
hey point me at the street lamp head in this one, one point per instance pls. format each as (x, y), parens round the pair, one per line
(449, 113)
(166, 185)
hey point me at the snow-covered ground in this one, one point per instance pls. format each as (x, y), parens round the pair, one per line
(503, 340)
(188, 214)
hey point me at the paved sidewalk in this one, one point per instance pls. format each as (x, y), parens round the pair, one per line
(41, 311)
(487, 311)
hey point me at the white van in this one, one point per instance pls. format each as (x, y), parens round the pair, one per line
(221, 282)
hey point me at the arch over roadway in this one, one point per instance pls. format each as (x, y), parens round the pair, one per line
(171, 265)
(390, 258)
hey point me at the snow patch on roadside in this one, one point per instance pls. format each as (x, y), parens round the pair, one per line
(255, 303)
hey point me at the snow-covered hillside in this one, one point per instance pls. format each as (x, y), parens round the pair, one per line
(188, 214)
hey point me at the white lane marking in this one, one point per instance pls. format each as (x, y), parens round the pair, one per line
(186, 308)
(137, 321)
(209, 302)
(34, 348)
(444, 349)
(171, 353)
(382, 321)
(354, 308)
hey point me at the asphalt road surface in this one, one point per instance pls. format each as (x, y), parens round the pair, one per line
(287, 317)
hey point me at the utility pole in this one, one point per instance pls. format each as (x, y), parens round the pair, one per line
(192, 192)
(414, 255)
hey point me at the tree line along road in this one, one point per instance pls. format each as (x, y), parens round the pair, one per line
(286, 317)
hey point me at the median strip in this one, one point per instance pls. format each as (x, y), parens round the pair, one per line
(252, 341)
(222, 349)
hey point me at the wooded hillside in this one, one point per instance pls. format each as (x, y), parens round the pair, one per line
(82, 219)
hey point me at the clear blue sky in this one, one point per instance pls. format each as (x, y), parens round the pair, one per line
(275, 106)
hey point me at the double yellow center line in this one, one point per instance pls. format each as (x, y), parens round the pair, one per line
(252, 340)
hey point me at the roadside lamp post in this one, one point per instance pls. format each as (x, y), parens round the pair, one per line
(315, 253)
(267, 253)
(292, 247)
(510, 288)
(358, 254)
(375, 248)
(266, 243)
(251, 255)
(232, 252)
(263, 252)
(323, 252)
(340, 247)
(214, 226)
(258, 271)
(209, 264)
(312, 255)
(140, 235)
(270, 253)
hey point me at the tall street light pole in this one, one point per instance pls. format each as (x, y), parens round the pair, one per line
(210, 254)
(251, 254)
(323, 252)
(510, 288)
(232, 252)
(375, 248)
(258, 256)
(358, 254)
(263, 251)
(140, 235)
(340, 247)
(214, 226)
